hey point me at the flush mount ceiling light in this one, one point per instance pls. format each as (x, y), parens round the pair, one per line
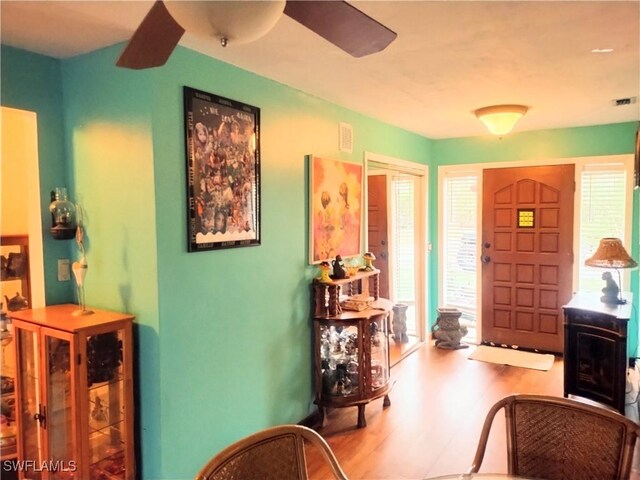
(500, 119)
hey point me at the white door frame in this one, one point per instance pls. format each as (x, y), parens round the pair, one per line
(20, 148)
(394, 165)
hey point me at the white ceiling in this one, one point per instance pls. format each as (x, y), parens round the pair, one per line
(450, 57)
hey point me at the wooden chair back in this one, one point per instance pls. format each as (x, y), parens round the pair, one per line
(562, 439)
(276, 453)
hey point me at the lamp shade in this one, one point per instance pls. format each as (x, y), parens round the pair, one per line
(500, 119)
(611, 254)
(236, 22)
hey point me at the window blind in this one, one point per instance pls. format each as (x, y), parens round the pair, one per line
(404, 244)
(460, 224)
(602, 214)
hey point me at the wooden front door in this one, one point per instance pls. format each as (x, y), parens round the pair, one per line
(527, 255)
(378, 228)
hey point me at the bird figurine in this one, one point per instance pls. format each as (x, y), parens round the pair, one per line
(338, 270)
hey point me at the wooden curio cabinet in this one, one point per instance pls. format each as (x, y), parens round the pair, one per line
(351, 347)
(74, 389)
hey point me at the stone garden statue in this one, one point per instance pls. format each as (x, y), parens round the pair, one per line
(447, 330)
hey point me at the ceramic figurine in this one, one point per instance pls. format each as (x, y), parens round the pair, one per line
(375, 338)
(338, 270)
(325, 268)
(343, 383)
(328, 381)
(611, 290)
(98, 413)
(351, 345)
(368, 261)
(18, 302)
(354, 376)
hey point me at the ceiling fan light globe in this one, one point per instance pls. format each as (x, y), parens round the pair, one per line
(238, 21)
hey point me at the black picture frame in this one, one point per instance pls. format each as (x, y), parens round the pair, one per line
(223, 171)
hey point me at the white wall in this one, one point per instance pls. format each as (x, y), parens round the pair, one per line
(20, 210)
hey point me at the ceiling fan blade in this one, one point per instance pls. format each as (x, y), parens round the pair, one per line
(153, 41)
(342, 24)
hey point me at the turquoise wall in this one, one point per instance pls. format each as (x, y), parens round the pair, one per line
(33, 82)
(535, 147)
(237, 320)
(108, 133)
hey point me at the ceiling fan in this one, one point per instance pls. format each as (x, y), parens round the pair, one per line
(336, 21)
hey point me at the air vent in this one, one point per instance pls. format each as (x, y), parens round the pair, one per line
(346, 138)
(619, 102)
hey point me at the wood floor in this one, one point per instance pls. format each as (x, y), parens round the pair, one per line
(438, 405)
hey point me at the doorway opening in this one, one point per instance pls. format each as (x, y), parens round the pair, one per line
(396, 226)
(20, 212)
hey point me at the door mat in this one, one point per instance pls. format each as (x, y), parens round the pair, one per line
(515, 358)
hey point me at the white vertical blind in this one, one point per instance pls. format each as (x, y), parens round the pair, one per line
(459, 240)
(404, 245)
(602, 214)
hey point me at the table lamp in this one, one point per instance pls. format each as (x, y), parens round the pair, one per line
(611, 254)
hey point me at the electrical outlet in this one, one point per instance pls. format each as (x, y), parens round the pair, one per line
(64, 274)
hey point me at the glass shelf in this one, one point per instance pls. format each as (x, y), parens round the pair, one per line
(105, 442)
(111, 419)
(118, 378)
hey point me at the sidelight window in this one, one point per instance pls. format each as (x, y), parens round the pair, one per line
(603, 208)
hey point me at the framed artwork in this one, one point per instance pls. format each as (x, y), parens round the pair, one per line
(335, 216)
(223, 171)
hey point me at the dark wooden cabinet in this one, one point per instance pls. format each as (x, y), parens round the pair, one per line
(351, 348)
(595, 349)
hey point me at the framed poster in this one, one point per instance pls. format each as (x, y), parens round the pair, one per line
(223, 171)
(335, 217)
